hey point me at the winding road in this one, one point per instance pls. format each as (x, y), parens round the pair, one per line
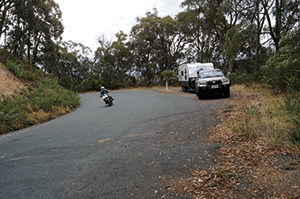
(130, 150)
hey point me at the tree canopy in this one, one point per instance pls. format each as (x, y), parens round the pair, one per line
(236, 35)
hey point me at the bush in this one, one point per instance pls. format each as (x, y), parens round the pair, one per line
(12, 112)
(292, 107)
(283, 74)
(282, 71)
(238, 78)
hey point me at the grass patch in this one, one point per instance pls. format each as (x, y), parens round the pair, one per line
(263, 117)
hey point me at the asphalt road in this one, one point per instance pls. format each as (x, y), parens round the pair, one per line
(130, 150)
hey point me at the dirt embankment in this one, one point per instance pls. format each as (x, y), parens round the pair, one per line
(9, 83)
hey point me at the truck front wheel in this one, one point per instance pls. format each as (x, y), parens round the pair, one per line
(199, 94)
(227, 92)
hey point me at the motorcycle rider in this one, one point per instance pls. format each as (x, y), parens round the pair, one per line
(104, 91)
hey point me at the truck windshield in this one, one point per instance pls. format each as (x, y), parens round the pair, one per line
(211, 73)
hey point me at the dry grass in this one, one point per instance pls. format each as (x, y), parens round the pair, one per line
(262, 119)
(40, 116)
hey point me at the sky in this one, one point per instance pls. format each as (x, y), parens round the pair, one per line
(85, 20)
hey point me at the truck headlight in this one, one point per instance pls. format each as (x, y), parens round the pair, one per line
(201, 83)
(225, 81)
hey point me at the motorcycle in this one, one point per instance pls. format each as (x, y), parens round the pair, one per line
(107, 100)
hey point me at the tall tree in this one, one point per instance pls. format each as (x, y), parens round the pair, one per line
(113, 60)
(286, 14)
(222, 30)
(5, 18)
(159, 43)
(34, 27)
(240, 31)
(203, 20)
(73, 65)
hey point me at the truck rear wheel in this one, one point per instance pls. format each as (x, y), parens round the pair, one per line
(184, 89)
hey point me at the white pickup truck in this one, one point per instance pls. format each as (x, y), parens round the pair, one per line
(209, 81)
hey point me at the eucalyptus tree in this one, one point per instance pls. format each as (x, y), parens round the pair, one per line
(205, 24)
(240, 29)
(282, 16)
(143, 40)
(158, 44)
(34, 26)
(113, 61)
(5, 17)
(74, 65)
(123, 60)
(222, 31)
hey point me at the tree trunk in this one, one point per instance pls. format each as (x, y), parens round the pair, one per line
(257, 37)
(230, 67)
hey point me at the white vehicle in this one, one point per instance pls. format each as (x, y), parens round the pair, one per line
(188, 73)
(212, 81)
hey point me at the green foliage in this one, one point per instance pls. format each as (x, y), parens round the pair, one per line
(206, 31)
(12, 112)
(292, 107)
(19, 71)
(32, 28)
(282, 71)
(73, 65)
(170, 76)
(44, 93)
(114, 63)
(157, 46)
(244, 78)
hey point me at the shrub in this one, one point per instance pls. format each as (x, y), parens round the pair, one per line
(292, 107)
(243, 78)
(282, 70)
(12, 112)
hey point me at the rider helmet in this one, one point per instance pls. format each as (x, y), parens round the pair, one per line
(102, 87)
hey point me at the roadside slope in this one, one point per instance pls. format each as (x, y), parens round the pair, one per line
(43, 100)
